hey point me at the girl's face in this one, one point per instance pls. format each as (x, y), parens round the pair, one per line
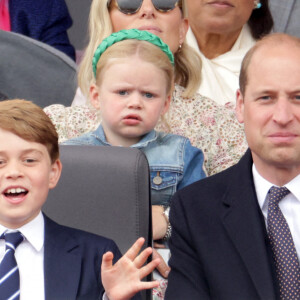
(170, 26)
(131, 97)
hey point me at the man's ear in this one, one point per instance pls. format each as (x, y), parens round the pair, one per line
(95, 96)
(55, 172)
(239, 108)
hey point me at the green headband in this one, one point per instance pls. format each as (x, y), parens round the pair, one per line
(130, 34)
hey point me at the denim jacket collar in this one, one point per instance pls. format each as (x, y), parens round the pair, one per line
(148, 138)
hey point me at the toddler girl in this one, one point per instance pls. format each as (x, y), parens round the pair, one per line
(133, 86)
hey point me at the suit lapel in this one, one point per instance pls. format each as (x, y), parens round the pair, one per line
(62, 263)
(244, 223)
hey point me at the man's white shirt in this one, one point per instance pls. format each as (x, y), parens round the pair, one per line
(289, 205)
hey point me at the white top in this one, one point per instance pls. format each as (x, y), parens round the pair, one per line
(289, 205)
(30, 258)
(220, 76)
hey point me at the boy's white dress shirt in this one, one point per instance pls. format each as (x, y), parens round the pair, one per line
(30, 258)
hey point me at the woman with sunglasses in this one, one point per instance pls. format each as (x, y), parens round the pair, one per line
(164, 18)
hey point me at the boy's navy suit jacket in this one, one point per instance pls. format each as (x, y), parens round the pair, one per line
(43, 20)
(72, 262)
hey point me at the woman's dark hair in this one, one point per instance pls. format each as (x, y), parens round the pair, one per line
(261, 20)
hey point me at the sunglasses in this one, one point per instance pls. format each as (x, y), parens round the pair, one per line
(130, 7)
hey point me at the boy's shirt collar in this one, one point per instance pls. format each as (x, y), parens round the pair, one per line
(32, 231)
(146, 139)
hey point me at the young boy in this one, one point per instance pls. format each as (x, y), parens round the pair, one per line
(52, 261)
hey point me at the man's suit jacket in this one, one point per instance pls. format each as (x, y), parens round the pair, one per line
(219, 245)
(72, 262)
(286, 16)
(43, 20)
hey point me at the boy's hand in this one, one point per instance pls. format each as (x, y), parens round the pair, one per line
(122, 280)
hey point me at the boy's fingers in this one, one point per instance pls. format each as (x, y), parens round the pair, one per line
(107, 260)
(142, 257)
(144, 285)
(135, 249)
(144, 271)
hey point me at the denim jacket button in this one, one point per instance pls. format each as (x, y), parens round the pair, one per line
(157, 180)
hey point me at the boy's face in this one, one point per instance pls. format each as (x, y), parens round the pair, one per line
(26, 175)
(131, 97)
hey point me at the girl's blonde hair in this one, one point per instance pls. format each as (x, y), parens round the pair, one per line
(187, 61)
(144, 50)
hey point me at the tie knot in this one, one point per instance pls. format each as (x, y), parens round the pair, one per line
(13, 239)
(277, 193)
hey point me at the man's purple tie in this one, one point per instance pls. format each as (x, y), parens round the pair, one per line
(284, 251)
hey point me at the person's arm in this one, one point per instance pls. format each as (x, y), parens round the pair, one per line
(186, 279)
(193, 165)
(193, 170)
(123, 280)
(54, 32)
(159, 229)
(159, 222)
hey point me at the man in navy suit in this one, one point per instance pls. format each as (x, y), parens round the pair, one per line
(54, 262)
(220, 246)
(44, 20)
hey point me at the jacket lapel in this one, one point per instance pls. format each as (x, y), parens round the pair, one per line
(62, 263)
(244, 223)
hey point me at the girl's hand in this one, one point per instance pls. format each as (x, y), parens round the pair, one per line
(122, 280)
(162, 268)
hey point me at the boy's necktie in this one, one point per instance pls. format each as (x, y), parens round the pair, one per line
(9, 272)
(284, 251)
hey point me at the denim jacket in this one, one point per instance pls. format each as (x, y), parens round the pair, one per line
(174, 163)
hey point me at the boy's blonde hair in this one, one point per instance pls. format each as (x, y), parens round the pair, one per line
(187, 61)
(145, 51)
(28, 121)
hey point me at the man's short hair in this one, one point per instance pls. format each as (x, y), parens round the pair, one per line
(28, 121)
(274, 39)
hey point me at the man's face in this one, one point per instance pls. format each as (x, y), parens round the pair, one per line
(26, 175)
(270, 108)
